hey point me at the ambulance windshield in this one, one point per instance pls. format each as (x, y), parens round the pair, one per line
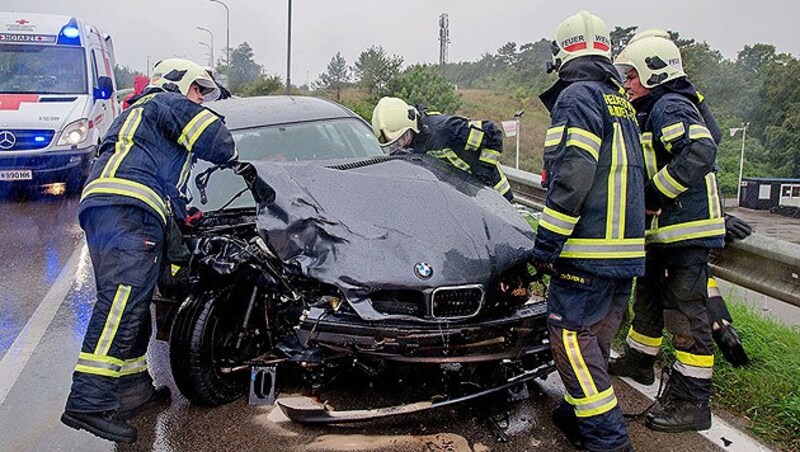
(38, 69)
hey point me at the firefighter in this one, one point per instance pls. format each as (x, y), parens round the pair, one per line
(720, 319)
(685, 222)
(471, 146)
(591, 232)
(136, 185)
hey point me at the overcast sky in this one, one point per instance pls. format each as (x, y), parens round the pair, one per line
(409, 28)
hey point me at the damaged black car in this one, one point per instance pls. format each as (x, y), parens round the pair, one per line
(319, 253)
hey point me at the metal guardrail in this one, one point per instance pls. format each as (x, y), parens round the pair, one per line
(762, 264)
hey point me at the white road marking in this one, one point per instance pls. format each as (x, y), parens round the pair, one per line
(28, 339)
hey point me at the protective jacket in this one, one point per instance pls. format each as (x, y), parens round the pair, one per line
(147, 155)
(471, 146)
(680, 155)
(594, 212)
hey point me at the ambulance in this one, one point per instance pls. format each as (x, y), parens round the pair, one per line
(57, 98)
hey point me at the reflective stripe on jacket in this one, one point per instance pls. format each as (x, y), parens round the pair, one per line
(680, 154)
(594, 211)
(147, 155)
(471, 146)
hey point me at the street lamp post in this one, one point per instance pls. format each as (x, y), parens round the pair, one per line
(289, 53)
(227, 33)
(518, 117)
(733, 131)
(210, 49)
(212, 44)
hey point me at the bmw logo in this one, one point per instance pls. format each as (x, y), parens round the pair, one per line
(423, 270)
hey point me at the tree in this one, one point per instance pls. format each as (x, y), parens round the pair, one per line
(125, 76)
(423, 84)
(244, 68)
(754, 57)
(620, 37)
(336, 77)
(374, 69)
(507, 54)
(261, 86)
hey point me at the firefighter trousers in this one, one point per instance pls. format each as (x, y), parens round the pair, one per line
(674, 294)
(584, 314)
(125, 245)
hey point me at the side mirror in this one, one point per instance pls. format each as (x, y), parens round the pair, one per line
(104, 88)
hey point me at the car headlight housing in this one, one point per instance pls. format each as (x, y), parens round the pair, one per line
(74, 133)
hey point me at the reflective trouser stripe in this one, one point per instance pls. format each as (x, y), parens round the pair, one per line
(650, 162)
(554, 136)
(475, 136)
(583, 139)
(124, 187)
(490, 156)
(557, 222)
(452, 157)
(645, 344)
(195, 128)
(108, 366)
(713, 289)
(603, 249)
(667, 184)
(687, 231)
(695, 366)
(503, 186)
(174, 269)
(617, 187)
(696, 132)
(112, 321)
(575, 356)
(714, 205)
(593, 405)
(124, 142)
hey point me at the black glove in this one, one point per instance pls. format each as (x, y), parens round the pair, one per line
(653, 199)
(736, 228)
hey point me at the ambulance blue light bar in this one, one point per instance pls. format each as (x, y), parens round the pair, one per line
(70, 34)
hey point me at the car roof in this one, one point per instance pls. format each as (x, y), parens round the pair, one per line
(248, 112)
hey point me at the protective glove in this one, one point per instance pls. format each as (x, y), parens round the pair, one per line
(736, 228)
(653, 199)
(193, 215)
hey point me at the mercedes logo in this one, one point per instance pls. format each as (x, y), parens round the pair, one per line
(7, 139)
(423, 270)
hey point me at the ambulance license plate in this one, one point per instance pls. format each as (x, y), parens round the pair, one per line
(12, 175)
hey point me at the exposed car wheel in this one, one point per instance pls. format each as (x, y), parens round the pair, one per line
(202, 346)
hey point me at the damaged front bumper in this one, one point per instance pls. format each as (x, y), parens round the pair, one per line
(517, 335)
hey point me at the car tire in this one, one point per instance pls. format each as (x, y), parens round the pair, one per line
(200, 329)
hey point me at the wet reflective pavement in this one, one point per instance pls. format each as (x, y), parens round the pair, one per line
(43, 251)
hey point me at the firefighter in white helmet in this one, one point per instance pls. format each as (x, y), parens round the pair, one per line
(136, 187)
(591, 232)
(471, 146)
(685, 222)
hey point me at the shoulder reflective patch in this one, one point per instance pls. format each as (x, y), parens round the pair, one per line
(672, 132)
(195, 128)
(696, 132)
(583, 139)
(475, 138)
(553, 138)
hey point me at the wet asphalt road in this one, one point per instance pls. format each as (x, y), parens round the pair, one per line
(48, 286)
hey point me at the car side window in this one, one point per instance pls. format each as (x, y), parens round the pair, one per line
(95, 84)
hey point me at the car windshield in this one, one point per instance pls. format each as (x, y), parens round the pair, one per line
(39, 69)
(346, 138)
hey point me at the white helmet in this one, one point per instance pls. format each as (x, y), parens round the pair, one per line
(391, 118)
(650, 32)
(655, 58)
(177, 75)
(580, 35)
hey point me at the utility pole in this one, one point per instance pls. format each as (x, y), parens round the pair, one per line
(212, 44)
(444, 39)
(227, 32)
(733, 131)
(289, 53)
(518, 117)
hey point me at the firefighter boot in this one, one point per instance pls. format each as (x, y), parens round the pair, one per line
(635, 365)
(106, 425)
(564, 418)
(676, 415)
(729, 344)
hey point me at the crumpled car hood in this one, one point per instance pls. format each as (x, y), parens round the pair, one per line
(364, 226)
